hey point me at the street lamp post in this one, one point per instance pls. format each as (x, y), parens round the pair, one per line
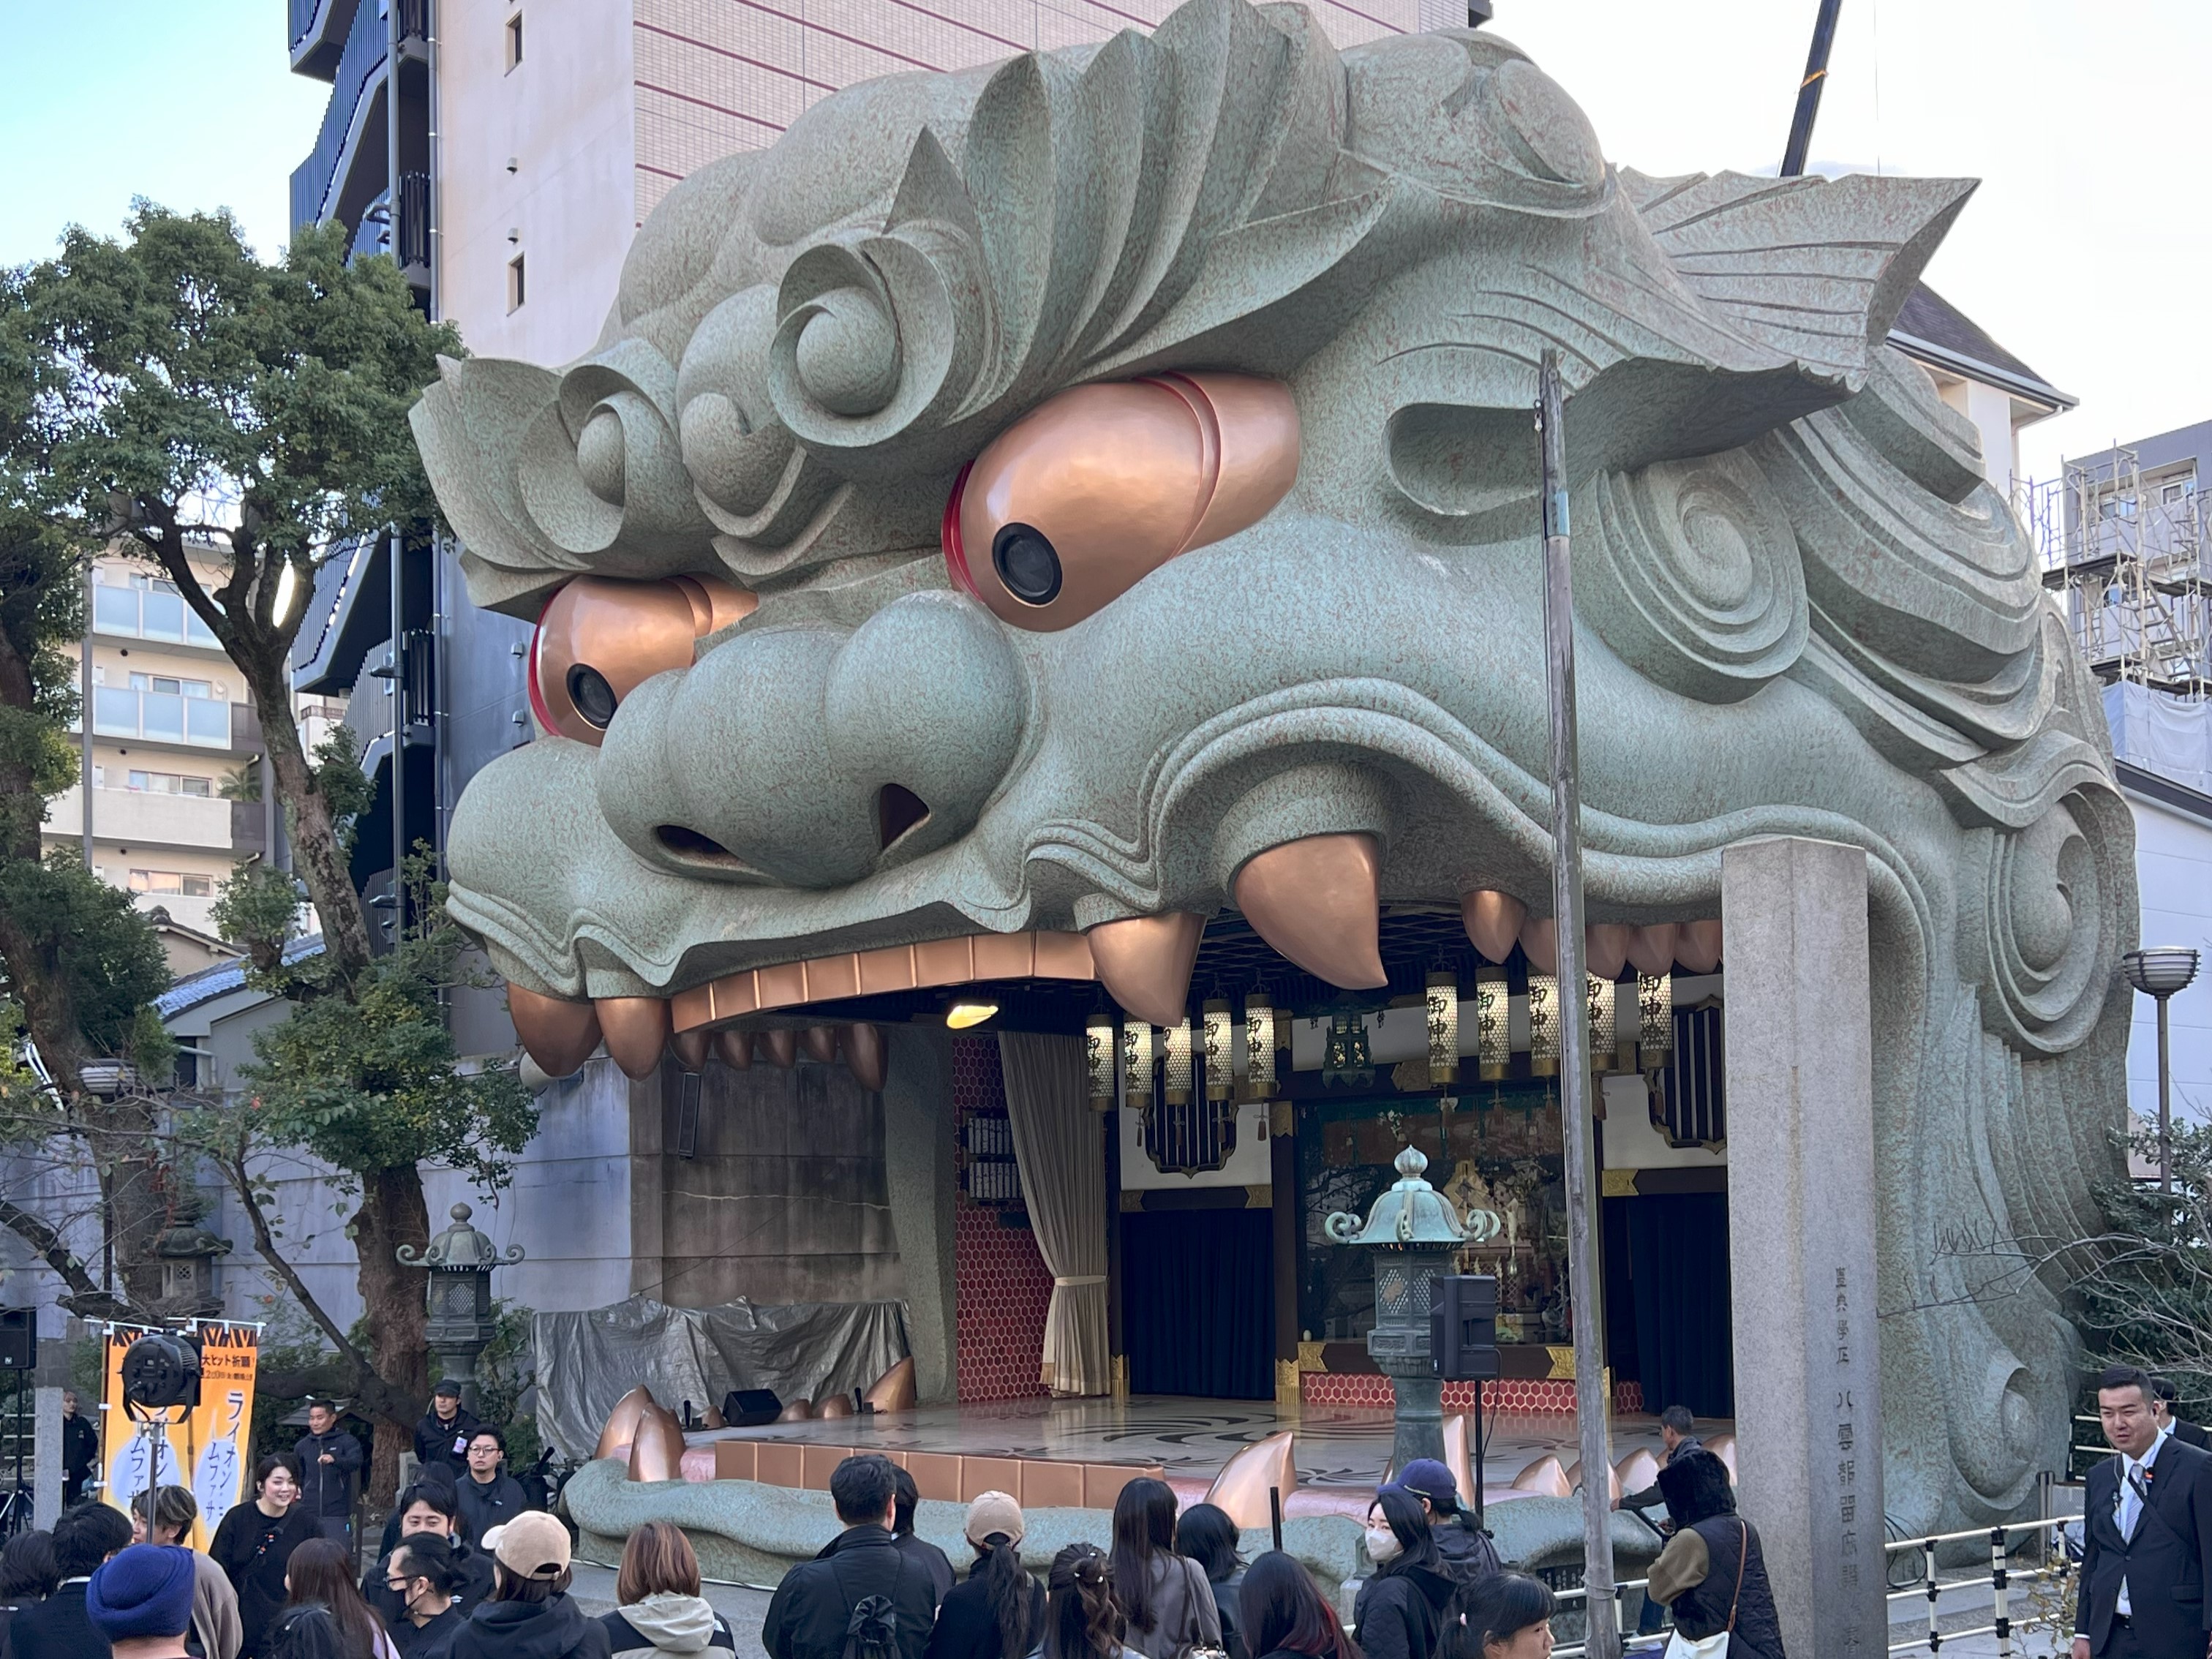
(460, 1261)
(2158, 972)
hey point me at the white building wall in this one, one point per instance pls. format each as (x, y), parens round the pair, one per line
(2173, 868)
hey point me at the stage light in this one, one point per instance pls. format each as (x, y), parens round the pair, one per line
(962, 1015)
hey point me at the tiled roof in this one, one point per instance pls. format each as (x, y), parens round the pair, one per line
(1927, 318)
(205, 987)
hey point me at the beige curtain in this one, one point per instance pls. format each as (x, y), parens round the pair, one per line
(1057, 1146)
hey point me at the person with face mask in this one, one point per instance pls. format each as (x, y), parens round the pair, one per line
(422, 1578)
(1400, 1611)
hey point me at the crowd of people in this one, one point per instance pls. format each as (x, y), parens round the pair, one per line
(1174, 1584)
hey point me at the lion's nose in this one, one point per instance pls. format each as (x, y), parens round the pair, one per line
(808, 756)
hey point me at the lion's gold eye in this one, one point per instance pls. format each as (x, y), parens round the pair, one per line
(1086, 495)
(598, 640)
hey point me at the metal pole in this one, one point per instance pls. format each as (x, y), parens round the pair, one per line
(2165, 1108)
(84, 709)
(1591, 1407)
(1808, 90)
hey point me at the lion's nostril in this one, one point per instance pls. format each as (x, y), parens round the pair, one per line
(898, 810)
(690, 844)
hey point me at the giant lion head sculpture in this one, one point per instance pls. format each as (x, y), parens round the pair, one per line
(1080, 493)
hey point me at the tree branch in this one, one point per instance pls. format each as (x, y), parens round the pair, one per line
(85, 1299)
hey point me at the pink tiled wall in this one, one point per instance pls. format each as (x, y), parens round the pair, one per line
(999, 1285)
(1512, 1394)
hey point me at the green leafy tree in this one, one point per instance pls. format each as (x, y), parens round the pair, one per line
(207, 406)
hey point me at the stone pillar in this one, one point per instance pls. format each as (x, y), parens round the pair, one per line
(48, 1380)
(1801, 1217)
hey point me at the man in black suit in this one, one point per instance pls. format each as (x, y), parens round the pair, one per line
(2146, 1555)
(2167, 1398)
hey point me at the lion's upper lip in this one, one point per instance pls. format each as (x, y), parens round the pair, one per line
(958, 960)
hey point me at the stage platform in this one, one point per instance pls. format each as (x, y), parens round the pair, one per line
(1340, 1450)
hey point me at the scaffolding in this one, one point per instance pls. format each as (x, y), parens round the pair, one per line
(2125, 550)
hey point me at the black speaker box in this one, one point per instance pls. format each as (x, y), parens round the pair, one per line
(19, 1338)
(748, 1408)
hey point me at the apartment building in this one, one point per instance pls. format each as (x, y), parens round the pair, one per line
(172, 757)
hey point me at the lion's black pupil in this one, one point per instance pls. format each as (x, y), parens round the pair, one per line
(1026, 564)
(594, 697)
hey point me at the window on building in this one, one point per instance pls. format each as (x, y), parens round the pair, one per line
(515, 287)
(515, 41)
(174, 686)
(180, 884)
(171, 783)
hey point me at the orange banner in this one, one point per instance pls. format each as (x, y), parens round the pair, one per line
(203, 1447)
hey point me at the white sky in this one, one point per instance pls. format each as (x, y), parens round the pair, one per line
(2088, 250)
(2085, 253)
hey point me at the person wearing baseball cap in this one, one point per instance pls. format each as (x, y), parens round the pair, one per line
(998, 1610)
(1468, 1554)
(529, 1614)
(141, 1600)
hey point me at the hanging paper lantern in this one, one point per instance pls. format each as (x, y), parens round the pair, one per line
(1175, 1075)
(1602, 1023)
(1099, 1058)
(1259, 1046)
(1494, 1041)
(1655, 1020)
(1442, 1004)
(1544, 1024)
(1219, 1038)
(1137, 1063)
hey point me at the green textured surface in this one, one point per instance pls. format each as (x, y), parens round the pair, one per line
(1799, 610)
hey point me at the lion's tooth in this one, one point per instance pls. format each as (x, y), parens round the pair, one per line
(691, 1048)
(868, 1054)
(820, 1043)
(1652, 948)
(1605, 948)
(779, 1046)
(1493, 921)
(636, 1030)
(1318, 902)
(1144, 963)
(1698, 948)
(1540, 941)
(734, 1048)
(559, 1035)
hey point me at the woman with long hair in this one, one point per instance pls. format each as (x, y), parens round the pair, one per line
(321, 1575)
(1082, 1619)
(1401, 1610)
(1507, 1615)
(1207, 1535)
(255, 1543)
(659, 1607)
(998, 1610)
(1164, 1597)
(1288, 1617)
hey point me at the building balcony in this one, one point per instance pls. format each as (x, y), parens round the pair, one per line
(318, 34)
(164, 717)
(350, 617)
(322, 186)
(148, 818)
(149, 614)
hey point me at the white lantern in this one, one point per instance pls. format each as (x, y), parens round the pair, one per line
(1443, 1005)
(1544, 1024)
(1259, 1046)
(1655, 1020)
(1175, 1075)
(1602, 1023)
(1137, 1063)
(1493, 1040)
(1219, 1036)
(1099, 1059)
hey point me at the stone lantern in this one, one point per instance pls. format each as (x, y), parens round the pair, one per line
(1413, 1232)
(460, 1261)
(188, 1252)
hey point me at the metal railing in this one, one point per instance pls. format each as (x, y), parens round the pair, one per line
(1580, 1593)
(2003, 1578)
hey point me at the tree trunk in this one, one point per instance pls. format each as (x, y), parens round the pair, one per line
(393, 1212)
(317, 857)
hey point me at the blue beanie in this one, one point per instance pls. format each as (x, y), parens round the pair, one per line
(1425, 1477)
(145, 1590)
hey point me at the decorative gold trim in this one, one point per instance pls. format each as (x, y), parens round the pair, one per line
(1260, 1198)
(1616, 1183)
(1309, 1358)
(1563, 1364)
(1121, 1376)
(1282, 1118)
(1287, 1397)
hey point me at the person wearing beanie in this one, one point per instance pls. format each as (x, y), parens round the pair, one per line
(998, 1610)
(216, 1631)
(529, 1614)
(59, 1627)
(141, 1600)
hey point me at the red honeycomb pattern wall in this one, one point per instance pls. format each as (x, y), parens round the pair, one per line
(1372, 1389)
(999, 1285)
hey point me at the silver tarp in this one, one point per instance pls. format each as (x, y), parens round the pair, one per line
(801, 1350)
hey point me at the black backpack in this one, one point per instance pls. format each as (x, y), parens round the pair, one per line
(871, 1629)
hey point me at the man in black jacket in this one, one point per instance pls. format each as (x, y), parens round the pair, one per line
(80, 1451)
(59, 1627)
(2146, 1550)
(329, 1458)
(905, 1496)
(813, 1609)
(2165, 1398)
(489, 1497)
(442, 1436)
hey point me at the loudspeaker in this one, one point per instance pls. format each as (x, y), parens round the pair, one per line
(1463, 1327)
(748, 1408)
(19, 1338)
